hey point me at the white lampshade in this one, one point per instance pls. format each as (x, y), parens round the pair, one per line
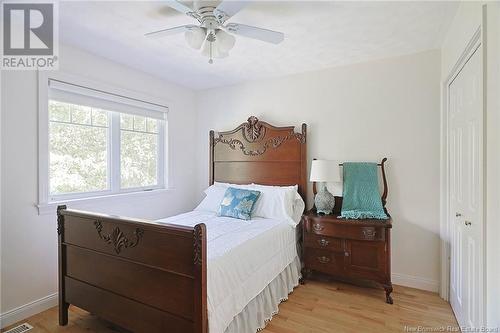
(225, 41)
(216, 52)
(195, 37)
(220, 46)
(325, 171)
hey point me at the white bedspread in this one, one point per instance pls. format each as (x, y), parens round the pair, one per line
(243, 258)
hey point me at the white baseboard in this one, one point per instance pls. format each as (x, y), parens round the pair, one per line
(415, 282)
(27, 310)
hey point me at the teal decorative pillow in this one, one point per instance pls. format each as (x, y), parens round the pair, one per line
(238, 203)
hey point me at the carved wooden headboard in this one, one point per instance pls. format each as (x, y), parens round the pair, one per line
(256, 152)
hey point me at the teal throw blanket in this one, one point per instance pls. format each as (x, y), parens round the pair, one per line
(361, 197)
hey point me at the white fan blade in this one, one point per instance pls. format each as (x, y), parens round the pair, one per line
(180, 7)
(170, 31)
(227, 9)
(265, 35)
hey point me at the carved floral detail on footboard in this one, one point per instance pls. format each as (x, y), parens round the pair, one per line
(198, 237)
(117, 238)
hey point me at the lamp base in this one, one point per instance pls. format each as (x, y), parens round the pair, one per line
(324, 201)
(323, 212)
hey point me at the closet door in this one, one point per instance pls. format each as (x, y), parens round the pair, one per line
(466, 191)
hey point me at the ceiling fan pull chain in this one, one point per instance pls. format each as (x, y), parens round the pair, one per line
(211, 61)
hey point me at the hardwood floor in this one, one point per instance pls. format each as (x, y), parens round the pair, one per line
(317, 307)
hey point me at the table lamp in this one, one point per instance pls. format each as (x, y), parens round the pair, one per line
(323, 171)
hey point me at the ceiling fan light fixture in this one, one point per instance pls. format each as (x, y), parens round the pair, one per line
(214, 36)
(195, 37)
(225, 41)
(212, 48)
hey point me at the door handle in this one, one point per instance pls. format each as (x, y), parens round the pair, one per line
(468, 223)
(458, 215)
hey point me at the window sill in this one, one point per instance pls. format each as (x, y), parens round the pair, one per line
(51, 207)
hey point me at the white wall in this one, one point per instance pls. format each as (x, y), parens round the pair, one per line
(463, 27)
(361, 112)
(29, 251)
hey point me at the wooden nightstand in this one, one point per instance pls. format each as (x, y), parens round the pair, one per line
(353, 250)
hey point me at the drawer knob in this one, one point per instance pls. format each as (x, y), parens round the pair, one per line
(369, 233)
(346, 254)
(318, 227)
(324, 260)
(323, 242)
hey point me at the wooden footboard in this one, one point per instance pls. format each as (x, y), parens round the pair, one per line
(140, 275)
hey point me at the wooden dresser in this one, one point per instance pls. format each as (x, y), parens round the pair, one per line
(352, 250)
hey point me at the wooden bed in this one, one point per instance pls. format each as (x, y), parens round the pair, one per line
(151, 277)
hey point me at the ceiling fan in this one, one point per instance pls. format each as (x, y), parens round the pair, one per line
(214, 36)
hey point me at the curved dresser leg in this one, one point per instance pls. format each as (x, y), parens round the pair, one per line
(388, 291)
(306, 273)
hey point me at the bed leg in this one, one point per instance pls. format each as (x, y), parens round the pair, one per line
(388, 291)
(63, 314)
(61, 249)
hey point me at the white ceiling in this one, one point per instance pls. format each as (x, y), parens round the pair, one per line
(318, 34)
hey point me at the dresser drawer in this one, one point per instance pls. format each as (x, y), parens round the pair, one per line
(324, 242)
(325, 261)
(349, 230)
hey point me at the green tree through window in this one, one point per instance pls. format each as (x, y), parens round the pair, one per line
(80, 144)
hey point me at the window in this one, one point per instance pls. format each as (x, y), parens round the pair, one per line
(138, 151)
(101, 143)
(78, 148)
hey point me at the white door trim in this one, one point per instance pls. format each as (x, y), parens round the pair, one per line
(478, 40)
(444, 197)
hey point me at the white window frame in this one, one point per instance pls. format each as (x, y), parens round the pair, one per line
(46, 201)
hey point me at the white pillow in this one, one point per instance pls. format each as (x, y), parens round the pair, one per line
(298, 208)
(291, 187)
(214, 195)
(226, 185)
(213, 198)
(277, 202)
